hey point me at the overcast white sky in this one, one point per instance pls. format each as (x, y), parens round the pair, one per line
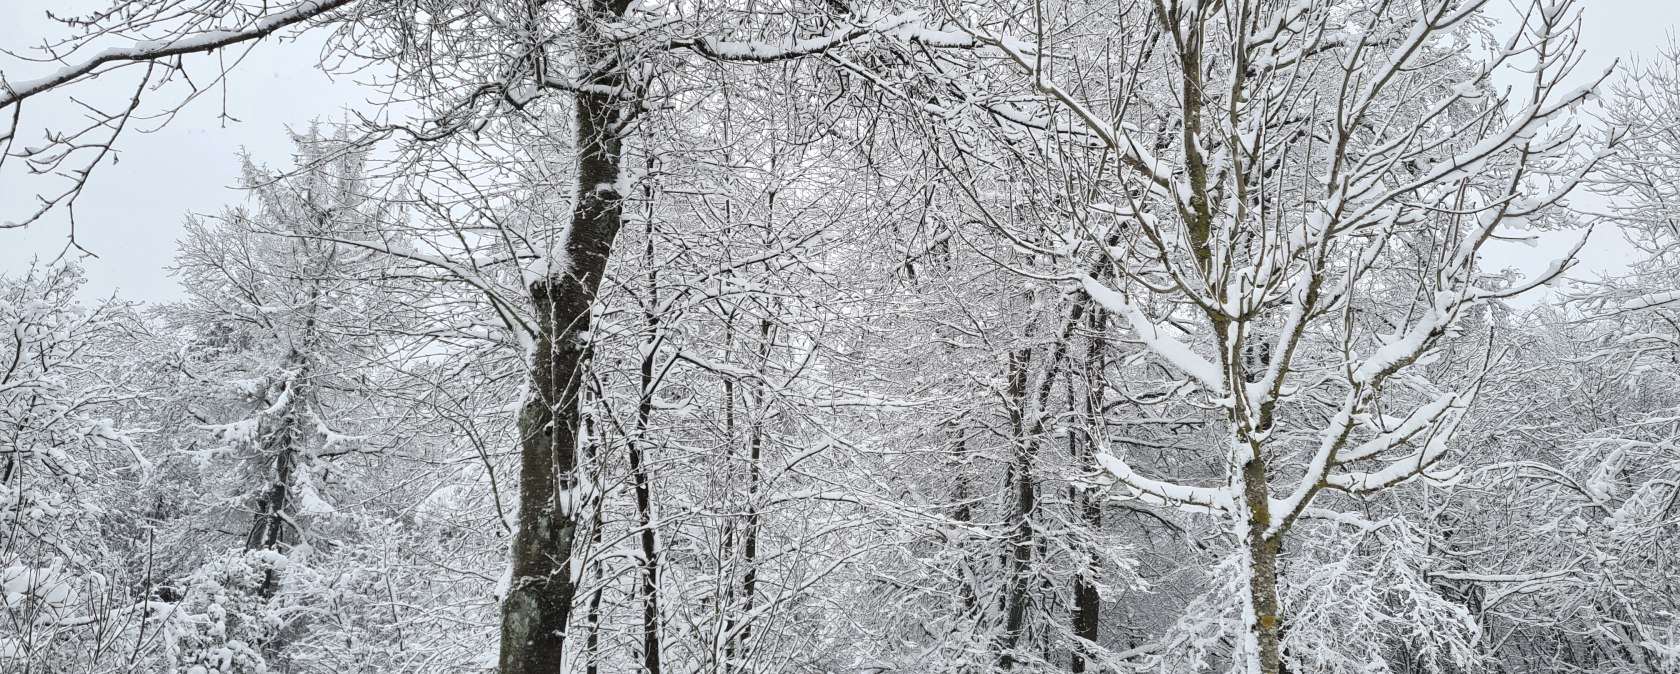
(133, 211)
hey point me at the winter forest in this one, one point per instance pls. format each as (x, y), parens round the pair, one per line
(854, 337)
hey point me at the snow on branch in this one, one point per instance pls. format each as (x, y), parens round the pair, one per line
(1176, 353)
(12, 93)
(1207, 499)
(907, 27)
(1412, 465)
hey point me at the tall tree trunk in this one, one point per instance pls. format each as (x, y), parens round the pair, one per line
(755, 452)
(270, 531)
(1263, 551)
(639, 472)
(963, 512)
(1087, 602)
(592, 619)
(269, 528)
(1025, 484)
(726, 539)
(538, 606)
(597, 569)
(1026, 502)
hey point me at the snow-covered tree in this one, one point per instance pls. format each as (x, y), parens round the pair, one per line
(282, 344)
(1289, 199)
(768, 337)
(64, 602)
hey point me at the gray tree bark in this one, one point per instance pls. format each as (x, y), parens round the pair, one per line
(538, 606)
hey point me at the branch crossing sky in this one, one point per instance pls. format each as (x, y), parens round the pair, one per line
(134, 210)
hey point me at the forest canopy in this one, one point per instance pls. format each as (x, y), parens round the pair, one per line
(776, 337)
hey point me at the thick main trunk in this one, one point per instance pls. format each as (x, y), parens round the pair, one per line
(1087, 601)
(1026, 502)
(1268, 618)
(539, 598)
(272, 528)
(268, 530)
(1263, 550)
